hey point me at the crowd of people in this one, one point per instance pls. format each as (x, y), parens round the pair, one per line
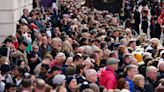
(81, 49)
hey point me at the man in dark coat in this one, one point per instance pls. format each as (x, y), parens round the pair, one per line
(151, 80)
(5, 48)
(155, 29)
(137, 20)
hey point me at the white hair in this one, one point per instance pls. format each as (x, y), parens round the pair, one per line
(90, 72)
(61, 54)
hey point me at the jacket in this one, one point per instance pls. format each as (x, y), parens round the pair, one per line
(107, 78)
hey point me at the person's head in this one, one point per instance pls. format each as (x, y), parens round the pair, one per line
(115, 33)
(142, 37)
(44, 69)
(26, 84)
(127, 58)
(155, 43)
(59, 80)
(113, 54)
(22, 64)
(67, 47)
(39, 37)
(69, 61)
(23, 45)
(80, 69)
(122, 83)
(122, 49)
(19, 72)
(161, 67)
(26, 12)
(139, 81)
(124, 42)
(5, 69)
(44, 40)
(94, 87)
(40, 85)
(56, 43)
(8, 42)
(131, 71)
(61, 89)
(47, 59)
(10, 87)
(151, 72)
(132, 43)
(35, 47)
(60, 57)
(80, 49)
(91, 75)
(77, 59)
(71, 82)
(4, 60)
(113, 63)
(106, 54)
(55, 70)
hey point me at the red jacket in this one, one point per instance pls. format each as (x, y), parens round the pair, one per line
(107, 78)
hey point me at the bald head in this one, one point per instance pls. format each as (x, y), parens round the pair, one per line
(161, 66)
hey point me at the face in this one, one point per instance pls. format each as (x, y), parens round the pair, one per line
(9, 44)
(115, 55)
(132, 72)
(12, 89)
(16, 73)
(22, 64)
(153, 45)
(23, 47)
(35, 49)
(73, 84)
(93, 77)
(43, 70)
(56, 72)
(44, 40)
(141, 82)
(127, 85)
(152, 74)
(26, 12)
(133, 45)
(115, 66)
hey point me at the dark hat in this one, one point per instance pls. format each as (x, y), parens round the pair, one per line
(54, 68)
(24, 43)
(5, 68)
(155, 18)
(45, 66)
(111, 61)
(116, 44)
(19, 32)
(69, 78)
(7, 40)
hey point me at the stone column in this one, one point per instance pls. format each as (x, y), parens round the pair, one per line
(10, 13)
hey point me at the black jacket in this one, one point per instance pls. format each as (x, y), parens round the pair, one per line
(150, 85)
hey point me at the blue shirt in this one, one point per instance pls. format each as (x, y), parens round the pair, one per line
(131, 84)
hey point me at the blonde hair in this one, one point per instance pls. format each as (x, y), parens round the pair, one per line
(137, 79)
(142, 37)
(67, 47)
(4, 60)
